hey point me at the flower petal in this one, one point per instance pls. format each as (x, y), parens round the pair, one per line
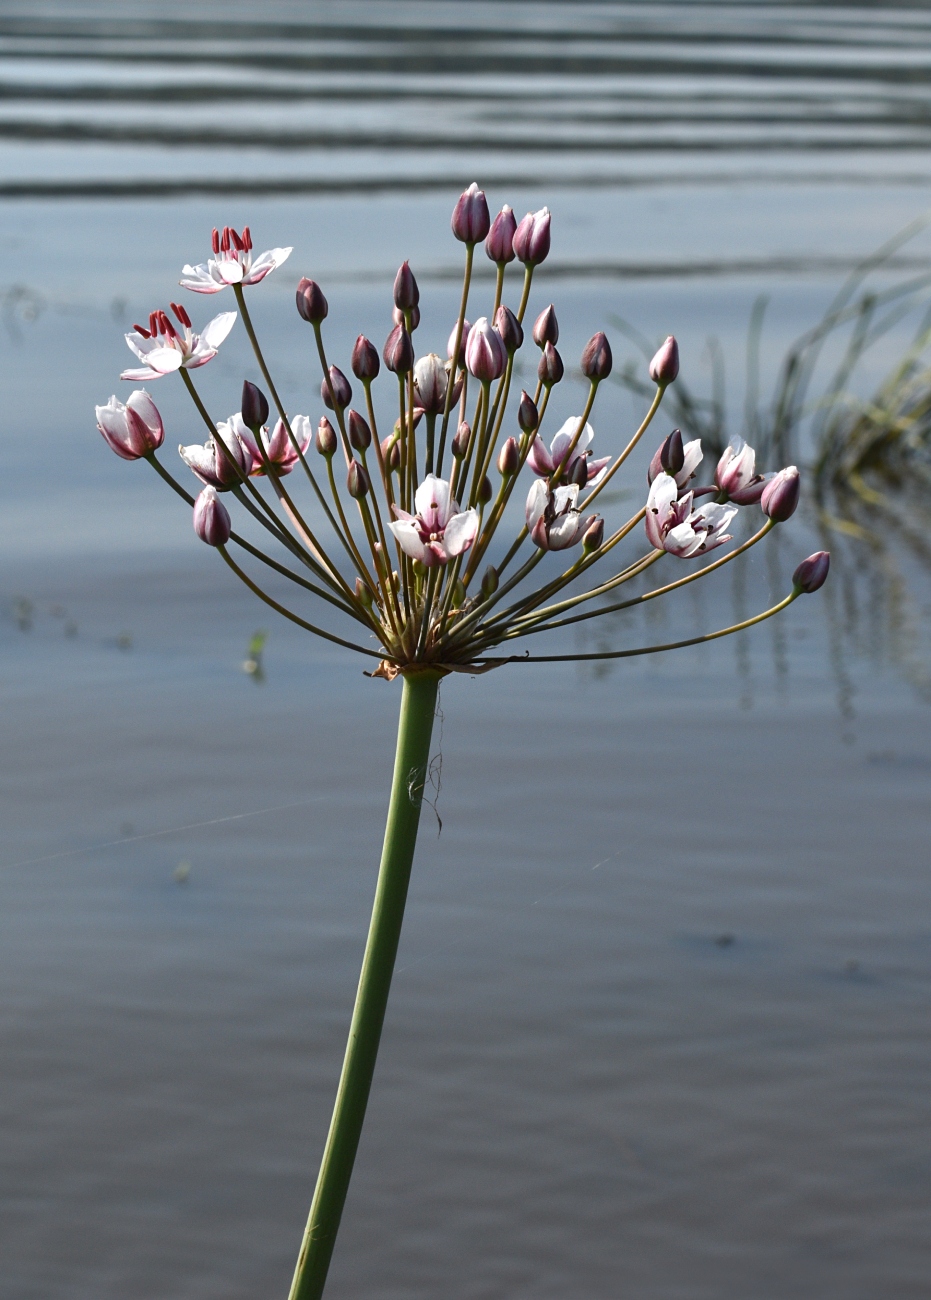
(537, 498)
(432, 502)
(215, 331)
(265, 263)
(461, 532)
(408, 535)
(199, 279)
(141, 375)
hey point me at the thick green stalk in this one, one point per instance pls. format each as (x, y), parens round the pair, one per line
(415, 728)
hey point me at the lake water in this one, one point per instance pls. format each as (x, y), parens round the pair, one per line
(660, 1023)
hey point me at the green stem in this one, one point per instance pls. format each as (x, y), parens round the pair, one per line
(418, 704)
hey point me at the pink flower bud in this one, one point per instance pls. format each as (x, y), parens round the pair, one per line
(254, 407)
(528, 417)
(508, 458)
(212, 522)
(499, 246)
(311, 303)
(461, 441)
(365, 363)
(132, 430)
(596, 360)
(532, 238)
(391, 451)
(780, 496)
(357, 481)
(342, 390)
(665, 365)
(485, 353)
(360, 435)
(400, 318)
(546, 327)
(325, 439)
(470, 220)
(509, 329)
(406, 293)
(399, 351)
(811, 573)
(551, 369)
(451, 344)
(593, 535)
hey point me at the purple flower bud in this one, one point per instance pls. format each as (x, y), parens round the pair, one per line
(212, 522)
(546, 327)
(357, 481)
(485, 353)
(509, 329)
(811, 573)
(131, 430)
(551, 369)
(593, 535)
(461, 441)
(399, 351)
(596, 360)
(489, 581)
(254, 410)
(672, 454)
(406, 293)
(365, 363)
(780, 496)
(532, 238)
(485, 490)
(470, 219)
(665, 365)
(577, 472)
(451, 344)
(508, 458)
(528, 417)
(400, 318)
(311, 303)
(360, 435)
(391, 451)
(499, 245)
(342, 390)
(325, 439)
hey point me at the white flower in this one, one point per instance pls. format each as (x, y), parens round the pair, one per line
(736, 474)
(232, 263)
(672, 525)
(544, 462)
(213, 466)
(439, 530)
(551, 517)
(164, 350)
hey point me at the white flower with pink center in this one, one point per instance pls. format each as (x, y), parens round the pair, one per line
(232, 263)
(439, 530)
(672, 525)
(164, 350)
(544, 462)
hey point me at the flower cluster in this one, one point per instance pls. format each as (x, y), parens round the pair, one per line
(415, 514)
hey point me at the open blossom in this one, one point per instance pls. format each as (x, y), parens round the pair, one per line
(214, 467)
(439, 530)
(672, 525)
(232, 263)
(279, 451)
(552, 519)
(691, 459)
(164, 350)
(544, 462)
(736, 474)
(132, 430)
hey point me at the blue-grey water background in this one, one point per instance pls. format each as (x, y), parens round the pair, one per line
(660, 1023)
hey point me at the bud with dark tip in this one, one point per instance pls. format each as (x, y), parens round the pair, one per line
(578, 472)
(672, 454)
(365, 363)
(470, 220)
(406, 293)
(311, 303)
(391, 451)
(400, 318)
(528, 417)
(508, 458)
(811, 573)
(360, 435)
(780, 496)
(325, 439)
(665, 365)
(509, 328)
(546, 327)
(399, 351)
(451, 342)
(341, 390)
(357, 481)
(485, 353)
(254, 408)
(593, 535)
(212, 522)
(532, 237)
(596, 360)
(499, 246)
(461, 441)
(485, 490)
(551, 369)
(489, 581)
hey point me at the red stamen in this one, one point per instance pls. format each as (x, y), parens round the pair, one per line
(181, 314)
(225, 240)
(237, 242)
(153, 323)
(141, 330)
(215, 240)
(247, 239)
(166, 326)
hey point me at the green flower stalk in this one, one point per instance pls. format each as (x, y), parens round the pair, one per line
(403, 558)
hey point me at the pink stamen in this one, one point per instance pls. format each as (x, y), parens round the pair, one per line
(247, 239)
(237, 242)
(141, 330)
(153, 323)
(166, 326)
(181, 314)
(225, 240)
(215, 240)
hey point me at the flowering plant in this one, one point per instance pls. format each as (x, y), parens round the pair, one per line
(427, 501)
